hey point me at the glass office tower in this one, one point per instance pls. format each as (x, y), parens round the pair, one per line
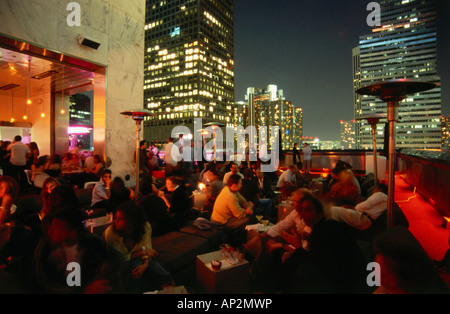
(189, 64)
(269, 108)
(404, 46)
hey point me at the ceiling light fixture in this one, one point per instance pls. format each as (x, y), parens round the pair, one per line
(43, 75)
(9, 86)
(29, 87)
(12, 107)
(43, 102)
(62, 95)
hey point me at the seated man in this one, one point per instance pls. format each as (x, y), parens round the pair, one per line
(250, 192)
(288, 177)
(293, 221)
(364, 213)
(213, 188)
(234, 169)
(264, 184)
(101, 192)
(264, 243)
(231, 209)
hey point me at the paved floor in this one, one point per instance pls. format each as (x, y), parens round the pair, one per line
(425, 222)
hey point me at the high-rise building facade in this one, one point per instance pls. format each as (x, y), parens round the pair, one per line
(189, 64)
(348, 138)
(269, 108)
(445, 124)
(403, 47)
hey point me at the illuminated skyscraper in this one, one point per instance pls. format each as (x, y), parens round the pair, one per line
(189, 64)
(404, 46)
(445, 124)
(348, 139)
(268, 107)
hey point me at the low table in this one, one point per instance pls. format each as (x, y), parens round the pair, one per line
(98, 225)
(229, 279)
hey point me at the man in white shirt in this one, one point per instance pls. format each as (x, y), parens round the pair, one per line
(307, 159)
(293, 221)
(18, 160)
(101, 192)
(261, 245)
(234, 169)
(365, 212)
(288, 177)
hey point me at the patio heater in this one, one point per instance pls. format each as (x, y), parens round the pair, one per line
(138, 116)
(393, 92)
(214, 126)
(373, 121)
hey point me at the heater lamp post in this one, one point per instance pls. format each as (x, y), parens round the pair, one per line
(214, 126)
(138, 116)
(373, 121)
(393, 92)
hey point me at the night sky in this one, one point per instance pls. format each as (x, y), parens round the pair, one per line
(305, 48)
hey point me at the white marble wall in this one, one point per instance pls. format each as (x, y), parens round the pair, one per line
(119, 26)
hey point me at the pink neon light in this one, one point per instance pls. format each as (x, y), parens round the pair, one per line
(78, 130)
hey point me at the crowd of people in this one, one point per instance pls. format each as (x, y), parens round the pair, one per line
(314, 249)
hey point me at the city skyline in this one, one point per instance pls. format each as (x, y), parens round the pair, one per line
(301, 46)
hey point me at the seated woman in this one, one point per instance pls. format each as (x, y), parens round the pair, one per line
(129, 240)
(35, 216)
(96, 170)
(9, 190)
(69, 163)
(93, 173)
(34, 149)
(119, 194)
(180, 204)
(38, 166)
(47, 188)
(53, 166)
(61, 196)
(15, 238)
(264, 184)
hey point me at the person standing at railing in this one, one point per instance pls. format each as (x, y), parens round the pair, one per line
(307, 157)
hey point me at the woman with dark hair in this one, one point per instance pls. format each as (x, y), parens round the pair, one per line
(53, 166)
(119, 194)
(62, 197)
(14, 237)
(129, 238)
(34, 154)
(9, 190)
(93, 173)
(97, 169)
(180, 204)
(38, 166)
(47, 187)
